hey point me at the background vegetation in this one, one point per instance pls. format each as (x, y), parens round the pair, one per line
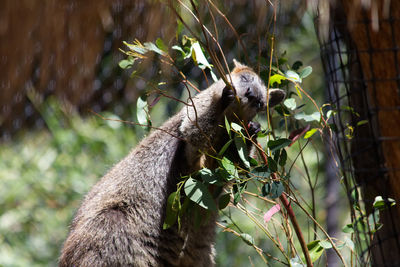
(44, 173)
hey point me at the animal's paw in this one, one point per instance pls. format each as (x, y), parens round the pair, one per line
(253, 127)
(276, 96)
(228, 95)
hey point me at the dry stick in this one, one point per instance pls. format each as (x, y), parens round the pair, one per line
(217, 63)
(134, 123)
(322, 229)
(292, 216)
(233, 30)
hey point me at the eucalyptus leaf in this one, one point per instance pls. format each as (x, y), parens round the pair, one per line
(248, 239)
(274, 145)
(227, 126)
(242, 150)
(261, 173)
(172, 210)
(315, 250)
(152, 47)
(236, 127)
(276, 78)
(325, 244)
(305, 72)
(277, 189)
(229, 166)
(283, 158)
(297, 65)
(310, 133)
(225, 147)
(272, 164)
(290, 103)
(160, 44)
(266, 189)
(292, 75)
(199, 56)
(224, 201)
(316, 116)
(348, 228)
(142, 111)
(198, 193)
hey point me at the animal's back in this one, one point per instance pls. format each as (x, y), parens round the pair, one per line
(120, 220)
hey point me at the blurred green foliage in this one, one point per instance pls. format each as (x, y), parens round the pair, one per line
(44, 176)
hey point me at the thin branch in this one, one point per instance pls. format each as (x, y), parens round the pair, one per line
(134, 123)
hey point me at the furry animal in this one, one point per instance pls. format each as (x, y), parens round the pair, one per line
(120, 220)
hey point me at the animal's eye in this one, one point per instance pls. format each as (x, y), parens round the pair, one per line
(243, 78)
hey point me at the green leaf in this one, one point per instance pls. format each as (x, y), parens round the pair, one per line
(261, 173)
(362, 122)
(298, 91)
(208, 176)
(276, 78)
(224, 201)
(296, 262)
(325, 244)
(242, 151)
(316, 116)
(310, 133)
(266, 189)
(199, 57)
(305, 72)
(227, 127)
(290, 103)
(160, 44)
(315, 250)
(198, 193)
(225, 147)
(229, 166)
(349, 243)
(236, 127)
(297, 65)
(348, 228)
(283, 158)
(142, 110)
(253, 162)
(178, 48)
(173, 206)
(272, 164)
(237, 191)
(293, 76)
(278, 144)
(223, 175)
(136, 47)
(152, 47)
(127, 63)
(248, 239)
(277, 189)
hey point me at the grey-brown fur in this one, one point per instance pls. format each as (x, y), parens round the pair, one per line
(120, 220)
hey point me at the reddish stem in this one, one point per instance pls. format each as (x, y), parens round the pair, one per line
(291, 214)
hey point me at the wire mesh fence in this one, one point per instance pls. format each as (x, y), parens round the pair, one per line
(360, 52)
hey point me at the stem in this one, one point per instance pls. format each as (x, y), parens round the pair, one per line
(297, 229)
(292, 216)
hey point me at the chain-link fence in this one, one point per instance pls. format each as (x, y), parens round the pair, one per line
(360, 52)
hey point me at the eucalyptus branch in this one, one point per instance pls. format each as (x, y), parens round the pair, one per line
(323, 230)
(292, 217)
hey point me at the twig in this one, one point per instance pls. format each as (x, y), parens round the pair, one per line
(292, 216)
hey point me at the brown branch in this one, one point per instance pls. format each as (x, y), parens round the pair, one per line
(135, 123)
(291, 214)
(297, 229)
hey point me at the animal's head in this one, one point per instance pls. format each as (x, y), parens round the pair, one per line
(252, 92)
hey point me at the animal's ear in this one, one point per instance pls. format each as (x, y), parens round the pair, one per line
(276, 96)
(238, 64)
